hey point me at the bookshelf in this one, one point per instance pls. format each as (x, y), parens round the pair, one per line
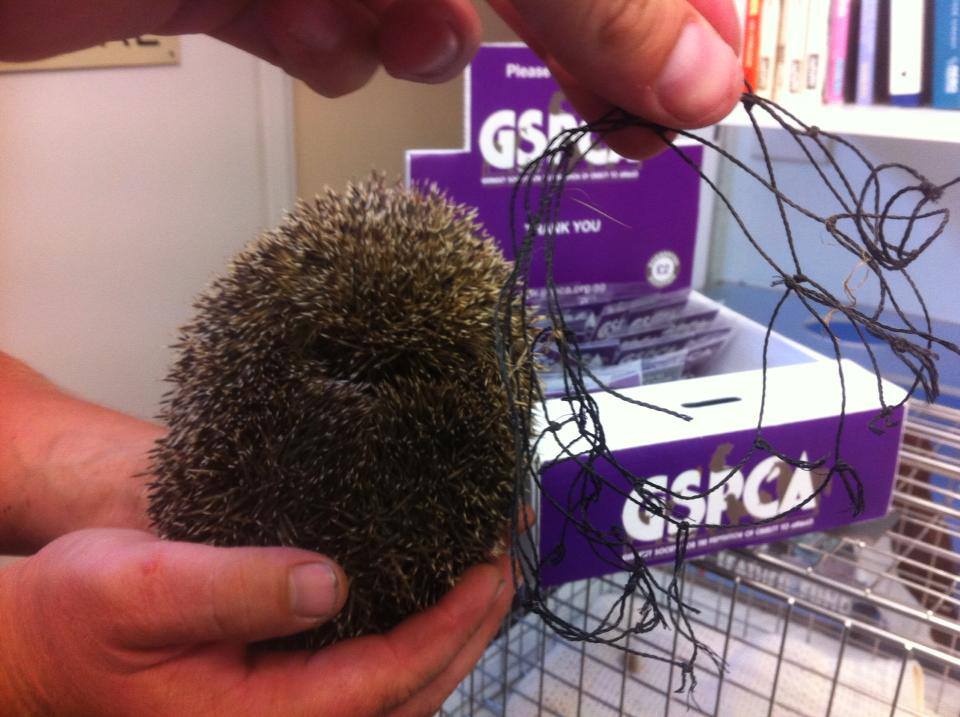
(925, 124)
(891, 61)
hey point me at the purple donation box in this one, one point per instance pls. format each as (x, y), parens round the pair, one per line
(625, 234)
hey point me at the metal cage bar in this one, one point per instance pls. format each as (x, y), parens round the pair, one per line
(862, 621)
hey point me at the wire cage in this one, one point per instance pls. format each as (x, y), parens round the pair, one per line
(861, 621)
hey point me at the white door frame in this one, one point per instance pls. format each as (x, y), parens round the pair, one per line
(278, 164)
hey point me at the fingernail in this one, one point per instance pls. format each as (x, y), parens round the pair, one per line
(322, 28)
(699, 76)
(313, 590)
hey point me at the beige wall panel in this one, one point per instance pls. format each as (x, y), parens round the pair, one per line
(346, 138)
(122, 192)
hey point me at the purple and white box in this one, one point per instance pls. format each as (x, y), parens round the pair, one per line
(625, 223)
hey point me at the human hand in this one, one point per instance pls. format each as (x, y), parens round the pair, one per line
(116, 622)
(673, 62)
(94, 476)
(65, 463)
(670, 61)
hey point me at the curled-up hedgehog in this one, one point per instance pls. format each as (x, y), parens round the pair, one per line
(339, 390)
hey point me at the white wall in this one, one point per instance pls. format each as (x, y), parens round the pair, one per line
(733, 260)
(122, 191)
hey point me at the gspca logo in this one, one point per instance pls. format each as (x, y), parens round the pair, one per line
(509, 140)
(770, 489)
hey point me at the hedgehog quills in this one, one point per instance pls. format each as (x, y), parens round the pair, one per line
(339, 390)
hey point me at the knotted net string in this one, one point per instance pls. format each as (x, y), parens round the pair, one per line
(885, 232)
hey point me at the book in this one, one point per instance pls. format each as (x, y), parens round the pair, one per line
(834, 90)
(769, 38)
(751, 43)
(815, 53)
(907, 50)
(790, 80)
(865, 93)
(945, 73)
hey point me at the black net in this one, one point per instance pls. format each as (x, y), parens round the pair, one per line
(883, 231)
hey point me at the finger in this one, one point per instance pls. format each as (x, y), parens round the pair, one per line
(660, 59)
(154, 593)
(378, 672)
(329, 44)
(633, 142)
(335, 46)
(640, 56)
(428, 700)
(427, 40)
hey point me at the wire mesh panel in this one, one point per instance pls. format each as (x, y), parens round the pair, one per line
(862, 621)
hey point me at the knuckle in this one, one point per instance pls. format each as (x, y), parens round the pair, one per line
(117, 591)
(621, 23)
(219, 618)
(234, 605)
(94, 569)
(636, 36)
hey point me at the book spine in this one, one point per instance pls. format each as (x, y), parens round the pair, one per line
(791, 78)
(751, 43)
(867, 52)
(769, 39)
(779, 68)
(946, 55)
(906, 52)
(815, 54)
(838, 53)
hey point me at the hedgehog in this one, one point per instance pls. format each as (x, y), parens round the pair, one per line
(339, 390)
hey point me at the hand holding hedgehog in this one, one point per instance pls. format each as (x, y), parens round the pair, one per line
(115, 622)
(337, 392)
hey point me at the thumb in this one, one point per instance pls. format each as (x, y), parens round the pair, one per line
(670, 61)
(145, 592)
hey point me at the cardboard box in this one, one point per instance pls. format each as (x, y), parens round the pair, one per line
(626, 223)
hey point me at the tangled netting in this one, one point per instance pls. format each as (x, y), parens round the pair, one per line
(884, 231)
